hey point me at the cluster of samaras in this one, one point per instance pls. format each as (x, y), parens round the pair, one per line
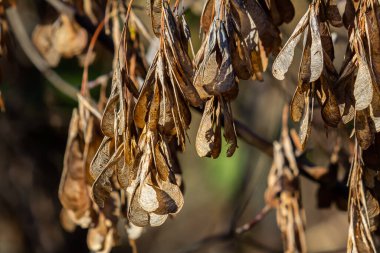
(123, 166)
(353, 95)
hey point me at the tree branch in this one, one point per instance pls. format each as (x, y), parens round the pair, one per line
(229, 235)
(259, 217)
(253, 139)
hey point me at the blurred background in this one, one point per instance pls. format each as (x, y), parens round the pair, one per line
(33, 133)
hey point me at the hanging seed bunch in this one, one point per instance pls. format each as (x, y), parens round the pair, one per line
(117, 150)
(116, 154)
(360, 76)
(360, 80)
(95, 175)
(75, 187)
(162, 113)
(360, 102)
(284, 193)
(317, 76)
(238, 37)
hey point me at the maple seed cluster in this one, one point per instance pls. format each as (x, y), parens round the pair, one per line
(238, 38)
(121, 160)
(123, 163)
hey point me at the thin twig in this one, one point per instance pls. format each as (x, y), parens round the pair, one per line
(250, 137)
(259, 217)
(100, 80)
(88, 56)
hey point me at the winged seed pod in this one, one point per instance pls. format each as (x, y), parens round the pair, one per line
(208, 140)
(251, 36)
(154, 190)
(216, 80)
(284, 194)
(317, 76)
(359, 78)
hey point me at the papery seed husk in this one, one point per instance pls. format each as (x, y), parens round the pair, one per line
(283, 60)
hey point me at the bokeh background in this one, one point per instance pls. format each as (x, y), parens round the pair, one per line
(33, 133)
